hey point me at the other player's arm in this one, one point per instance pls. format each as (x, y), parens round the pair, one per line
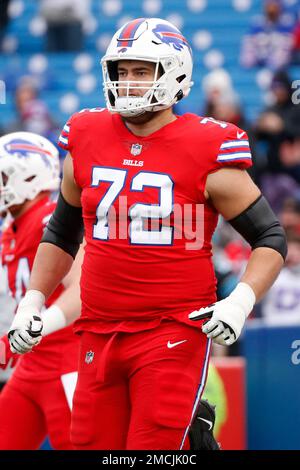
(53, 261)
(67, 306)
(62, 237)
(60, 314)
(238, 199)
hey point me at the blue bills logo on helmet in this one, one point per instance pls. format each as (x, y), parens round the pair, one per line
(23, 148)
(170, 36)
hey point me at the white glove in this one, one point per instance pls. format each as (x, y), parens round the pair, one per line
(26, 328)
(228, 316)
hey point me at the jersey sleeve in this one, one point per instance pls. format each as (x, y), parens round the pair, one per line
(42, 216)
(68, 133)
(234, 150)
(64, 140)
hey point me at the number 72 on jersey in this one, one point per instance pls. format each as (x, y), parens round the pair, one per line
(138, 212)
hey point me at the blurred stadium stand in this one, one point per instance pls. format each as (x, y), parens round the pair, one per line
(70, 82)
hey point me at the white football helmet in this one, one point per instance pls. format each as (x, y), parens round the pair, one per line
(152, 40)
(29, 164)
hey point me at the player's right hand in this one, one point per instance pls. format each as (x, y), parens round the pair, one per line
(227, 316)
(26, 329)
(25, 334)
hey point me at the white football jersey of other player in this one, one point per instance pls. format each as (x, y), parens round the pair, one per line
(281, 306)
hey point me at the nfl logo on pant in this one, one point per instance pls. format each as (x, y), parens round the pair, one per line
(89, 357)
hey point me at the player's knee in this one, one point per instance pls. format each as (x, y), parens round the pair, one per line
(171, 405)
(58, 425)
(61, 440)
(83, 430)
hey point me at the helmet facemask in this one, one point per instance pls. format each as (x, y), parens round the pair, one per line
(158, 93)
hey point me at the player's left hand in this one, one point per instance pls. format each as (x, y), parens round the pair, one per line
(228, 316)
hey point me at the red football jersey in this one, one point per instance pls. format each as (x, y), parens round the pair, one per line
(58, 352)
(148, 226)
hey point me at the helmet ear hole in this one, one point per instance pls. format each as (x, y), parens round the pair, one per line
(179, 95)
(179, 79)
(30, 178)
(4, 178)
(160, 70)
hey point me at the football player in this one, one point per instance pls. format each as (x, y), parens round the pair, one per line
(148, 187)
(36, 400)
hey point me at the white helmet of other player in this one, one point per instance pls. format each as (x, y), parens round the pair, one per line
(152, 40)
(29, 164)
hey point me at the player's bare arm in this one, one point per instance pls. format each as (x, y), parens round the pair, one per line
(232, 191)
(69, 188)
(53, 261)
(66, 308)
(69, 301)
(238, 200)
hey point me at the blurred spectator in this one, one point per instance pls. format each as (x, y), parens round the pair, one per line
(272, 120)
(296, 44)
(223, 104)
(32, 113)
(277, 133)
(296, 36)
(270, 39)
(227, 108)
(281, 306)
(289, 155)
(277, 187)
(215, 84)
(64, 20)
(290, 215)
(4, 19)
